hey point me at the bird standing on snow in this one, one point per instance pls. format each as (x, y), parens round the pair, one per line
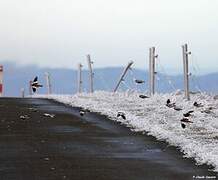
(177, 108)
(172, 105)
(121, 114)
(188, 114)
(143, 96)
(35, 84)
(183, 121)
(169, 104)
(186, 120)
(197, 104)
(208, 110)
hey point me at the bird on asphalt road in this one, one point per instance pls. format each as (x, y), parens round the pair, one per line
(81, 112)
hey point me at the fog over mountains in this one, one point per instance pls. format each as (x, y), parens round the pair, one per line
(64, 81)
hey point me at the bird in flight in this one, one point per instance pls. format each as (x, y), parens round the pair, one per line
(138, 81)
(35, 84)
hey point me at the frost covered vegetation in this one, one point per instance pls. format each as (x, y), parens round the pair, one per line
(198, 140)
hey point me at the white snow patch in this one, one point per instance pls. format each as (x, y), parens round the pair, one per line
(198, 140)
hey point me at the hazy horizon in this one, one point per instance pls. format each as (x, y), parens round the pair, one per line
(64, 81)
(169, 71)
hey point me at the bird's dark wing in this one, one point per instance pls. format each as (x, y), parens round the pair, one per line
(34, 89)
(35, 79)
(183, 125)
(186, 114)
(123, 116)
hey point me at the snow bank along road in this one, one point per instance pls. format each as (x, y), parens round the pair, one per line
(46, 140)
(199, 140)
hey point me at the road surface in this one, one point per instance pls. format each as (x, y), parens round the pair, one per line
(34, 146)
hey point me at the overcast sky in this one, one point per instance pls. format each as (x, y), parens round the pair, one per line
(59, 33)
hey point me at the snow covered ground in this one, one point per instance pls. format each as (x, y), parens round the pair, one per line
(198, 140)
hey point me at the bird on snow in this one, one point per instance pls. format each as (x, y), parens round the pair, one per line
(143, 96)
(35, 84)
(186, 120)
(197, 104)
(169, 104)
(177, 108)
(208, 110)
(188, 114)
(121, 114)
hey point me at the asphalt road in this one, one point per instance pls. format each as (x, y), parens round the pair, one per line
(68, 146)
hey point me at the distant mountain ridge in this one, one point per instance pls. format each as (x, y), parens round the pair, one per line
(64, 81)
